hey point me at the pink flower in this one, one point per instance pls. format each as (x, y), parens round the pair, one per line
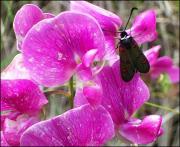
(82, 126)
(121, 100)
(53, 48)
(25, 19)
(143, 28)
(162, 64)
(21, 101)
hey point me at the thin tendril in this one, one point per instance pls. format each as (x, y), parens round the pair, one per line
(161, 107)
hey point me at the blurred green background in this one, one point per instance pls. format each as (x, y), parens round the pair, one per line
(162, 92)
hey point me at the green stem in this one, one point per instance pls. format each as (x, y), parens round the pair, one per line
(161, 107)
(71, 88)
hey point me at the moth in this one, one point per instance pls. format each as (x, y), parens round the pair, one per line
(132, 59)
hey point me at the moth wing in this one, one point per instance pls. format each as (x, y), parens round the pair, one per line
(127, 68)
(139, 59)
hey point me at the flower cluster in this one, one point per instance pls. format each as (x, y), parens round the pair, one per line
(52, 50)
(162, 64)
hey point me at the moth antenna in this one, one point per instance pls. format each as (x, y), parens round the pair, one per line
(134, 8)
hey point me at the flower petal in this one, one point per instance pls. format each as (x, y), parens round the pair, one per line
(142, 132)
(144, 27)
(9, 113)
(25, 18)
(3, 140)
(173, 73)
(50, 45)
(82, 126)
(120, 98)
(84, 73)
(110, 48)
(79, 98)
(13, 129)
(106, 19)
(152, 54)
(22, 95)
(93, 93)
(85, 70)
(89, 56)
(163, 62)
(16, 69)
(162, 65)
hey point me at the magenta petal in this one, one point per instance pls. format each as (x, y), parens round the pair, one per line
(142, 132)
(93, 94)
(7, 112)
(50, 45)
(163, 62)
(79, 98)
(152, 54)
(22, 95)
(120, 98)
(144, 27)
(16, 69)
(106, 19)
(84, 73)
(165, 65)
(25, 18)
(155, 73)
(13, 129)
(173, 73)
(89, 56)
(3, 140)
(84, 69)
(162, 65)
(110, 48)
(10, 114)
(82, 126)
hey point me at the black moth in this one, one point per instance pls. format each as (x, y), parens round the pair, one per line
(132, 58)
